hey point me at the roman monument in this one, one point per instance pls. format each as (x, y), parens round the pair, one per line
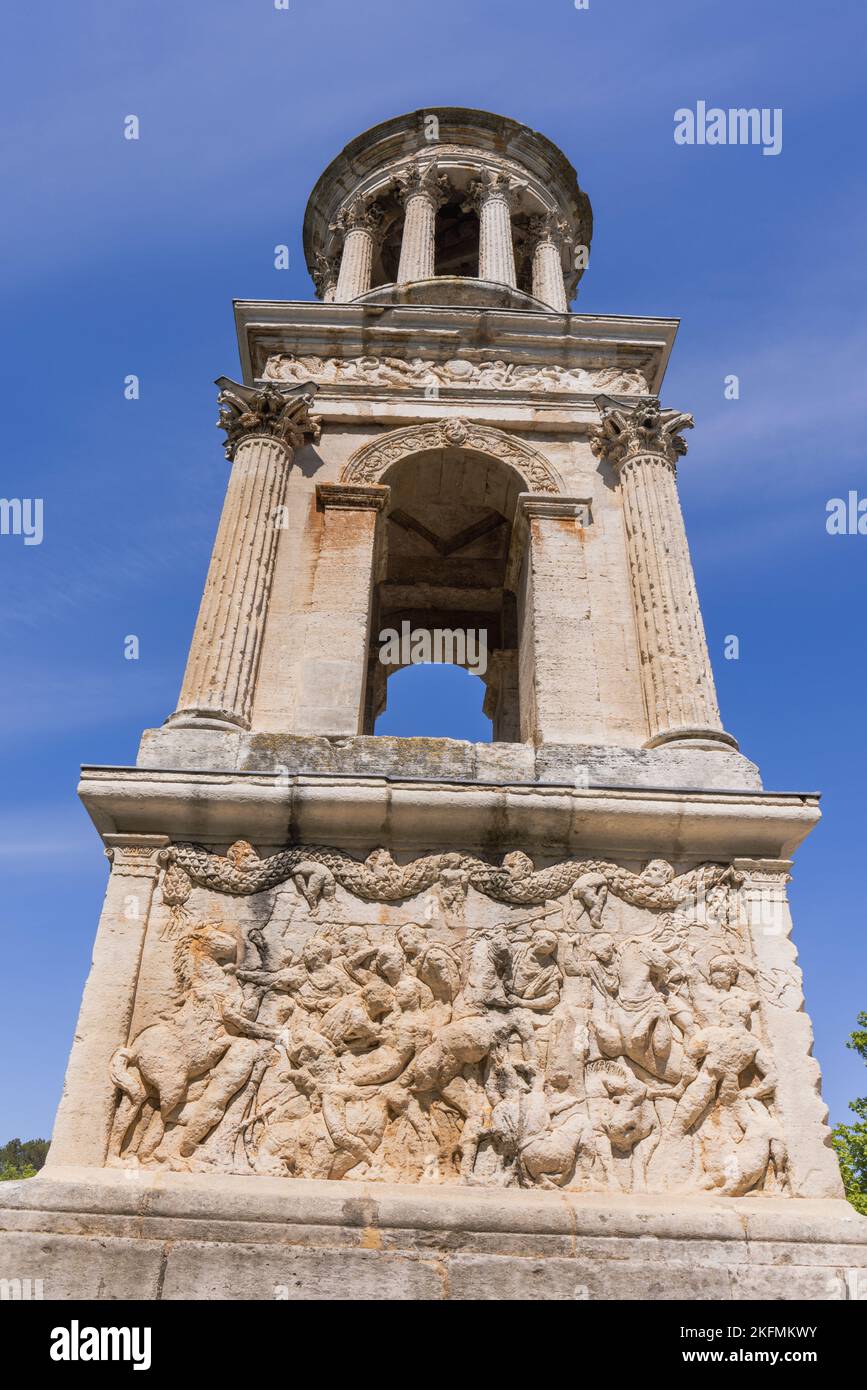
(375, 1017)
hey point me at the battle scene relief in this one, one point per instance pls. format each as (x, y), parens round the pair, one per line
(581, 1025)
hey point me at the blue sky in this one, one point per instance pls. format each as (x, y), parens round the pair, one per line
(123, 257)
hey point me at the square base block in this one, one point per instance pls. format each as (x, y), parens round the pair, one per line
(117, 1234)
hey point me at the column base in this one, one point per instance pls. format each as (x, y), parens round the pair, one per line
(694, 738)
(205, 719)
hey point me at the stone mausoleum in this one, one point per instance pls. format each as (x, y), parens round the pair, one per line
(413, 1018)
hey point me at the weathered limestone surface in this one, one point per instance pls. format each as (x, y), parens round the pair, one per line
(262, 428)
(174, 1236)
(417, 1018)
(643, 444)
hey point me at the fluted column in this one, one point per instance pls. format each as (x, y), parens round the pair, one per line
(422, 191)
(548, 283)
(359, 224)
(263, 428)
(493, 197)
(643, 443)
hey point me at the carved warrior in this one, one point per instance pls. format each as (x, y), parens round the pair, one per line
(555, 1047)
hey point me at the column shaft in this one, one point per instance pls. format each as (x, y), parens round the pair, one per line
(678, 683)
(224, 655)
(356, 265)
(548, 283)
(496, 251)
(643, 443)
(417, 247)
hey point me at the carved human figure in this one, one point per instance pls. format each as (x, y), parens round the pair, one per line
(629, 1123)
(637, 1022)
(436, 964)
(209, 1035)
(553, 1128)
(454, 881)
(719, 986)
(723, 1052)
(533, 977)
(588, 894)
(757, 1155)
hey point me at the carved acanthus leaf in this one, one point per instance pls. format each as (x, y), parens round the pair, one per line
(628, 432)
(277, 412)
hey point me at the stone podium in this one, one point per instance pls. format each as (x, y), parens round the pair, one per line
(413, 1018)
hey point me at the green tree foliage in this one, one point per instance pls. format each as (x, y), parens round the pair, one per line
(22, 1158)
(850, 1141)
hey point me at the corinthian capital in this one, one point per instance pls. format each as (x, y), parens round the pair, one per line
(493, 184)
(360, 215)
(326, 273)
(265, 410)
(629, 431)
(416, 177)
(547, 227)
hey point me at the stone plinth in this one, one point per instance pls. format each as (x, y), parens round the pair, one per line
(170, 1236)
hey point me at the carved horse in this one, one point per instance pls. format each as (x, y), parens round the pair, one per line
(209, 1035)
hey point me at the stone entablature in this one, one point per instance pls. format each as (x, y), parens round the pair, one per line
(354, 349)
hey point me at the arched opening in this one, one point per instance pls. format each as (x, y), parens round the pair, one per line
(445, 588)
(436, 701)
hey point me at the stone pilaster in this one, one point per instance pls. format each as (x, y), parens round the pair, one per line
(546, 235)
(813, 1169)
(333, 678)
(359, 224)
(422, 191)
(502, 703)
(263, 427)
(557, 661)
(493, 197)
(86, 1111)
(643, 443)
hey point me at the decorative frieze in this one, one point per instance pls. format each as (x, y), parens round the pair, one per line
(418, 373)
(579, 1025)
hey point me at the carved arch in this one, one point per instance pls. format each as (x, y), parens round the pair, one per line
(371, 461)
